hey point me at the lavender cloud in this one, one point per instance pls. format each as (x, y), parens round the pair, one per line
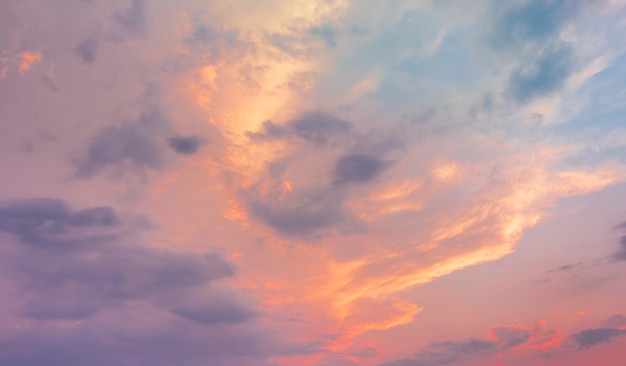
(114, 284)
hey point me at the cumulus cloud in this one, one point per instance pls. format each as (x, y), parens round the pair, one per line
(308, 215)
(50, 224)
(185, 145)
(357, 168)
(395, 156)
(133, 145)
(317, 128)
(160, 304)
(591, 337)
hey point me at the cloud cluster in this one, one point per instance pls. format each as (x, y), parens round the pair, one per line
(351, 153)
(92, 293)
(504, 339)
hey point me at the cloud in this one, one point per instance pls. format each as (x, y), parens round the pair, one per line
(185, 145)
(87, 50)
(55, 243)
(357, 168)
(616, 321)
(620, 254)
(135, 16)
(444, 353)
(130, 303)
(50, 225)
(133, 145)
(591, 337)
(215, 313)
(308, 215)
(500, 340)
(317, 128)
(545, 75)
(517, 23)
(327, 33)
(566, 267)
(27, 60)
(509, 337)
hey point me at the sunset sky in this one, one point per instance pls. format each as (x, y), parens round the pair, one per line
(312, 182)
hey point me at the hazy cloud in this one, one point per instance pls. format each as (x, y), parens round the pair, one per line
(566, 267)
(134, 16)
(87, 50)
(616, 321)
(620, 254)
(544, 75)
(524, 21)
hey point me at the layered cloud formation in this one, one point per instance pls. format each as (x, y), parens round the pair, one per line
(312, 183)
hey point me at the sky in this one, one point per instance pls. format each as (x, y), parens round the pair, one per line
(312, 182)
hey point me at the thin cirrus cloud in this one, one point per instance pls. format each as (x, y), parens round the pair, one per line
(310, 183)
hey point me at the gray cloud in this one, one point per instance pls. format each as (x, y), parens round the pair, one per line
(616, 321)
(591, 337)
(308, 216)
(510, 337)
(87, 50)
(317, 128)
(566, 267)
(317, 212)
(51, 260)
(620, 254)
(120, 341)
(448, 352)
(327, 33)
(186, 145)
(134, 16)
(210, 36)
(132, 143)
(136, 304)
(545, 75)
(621, 226)
(444, 353)
(216, 310)
(357, 168)
(49, 224)
(216, 40)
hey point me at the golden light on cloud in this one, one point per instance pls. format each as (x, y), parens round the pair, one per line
(447, 172)
(308, 182)
(27, 60)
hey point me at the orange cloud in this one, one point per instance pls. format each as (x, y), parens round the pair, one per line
(27, 60)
